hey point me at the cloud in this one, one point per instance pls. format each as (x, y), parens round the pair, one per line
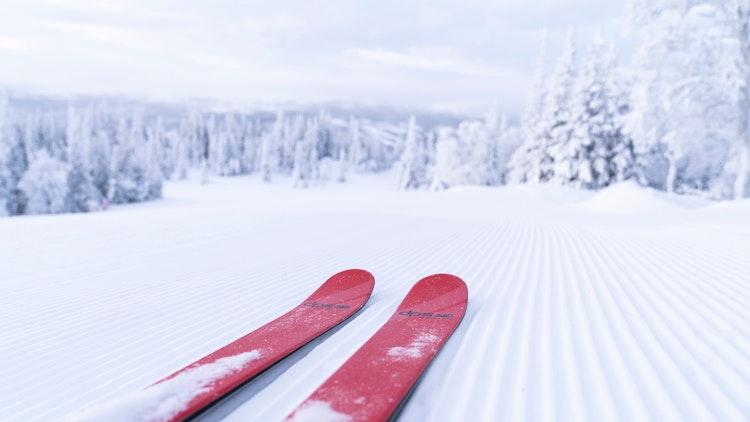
(438, 61)
(414, 54)
(99, 32)
(15, 44)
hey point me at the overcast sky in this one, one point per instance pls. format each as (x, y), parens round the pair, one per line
(449, 55)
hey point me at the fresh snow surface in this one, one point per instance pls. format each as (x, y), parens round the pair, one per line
(575, 312)
(629, 197)
(162, 401)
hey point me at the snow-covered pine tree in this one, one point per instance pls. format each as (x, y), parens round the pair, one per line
(45, 184)
(739, 14)
(524, 164)
(14, 162)
(101, 137)
(684, 109)
(132, 180)
(153, 177)
(32, 134)
(343, 165)
(477, 141)
(82, 194)
(164, 147)
(557, 116)
(495, 124)
(234, 144)
(267, 157)
(270, 153)
(736, 17)
(357, 153)
(411, 170)
(212, 145)
(447, 159)
(510, 139)
(7, 184)
(250, 147)
(292, 131)
(181, 157)
(621, 155)
(306, 156)
(219, 147)
(597, 153)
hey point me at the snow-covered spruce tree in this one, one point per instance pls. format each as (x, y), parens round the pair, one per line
(292, 131)
(557, 116)
(45, 184)
(736, 17)
(6, 184)
(218, 153)
(356, 149)
(597, 153)
(268, 157)
(507, 141)
(306, 156)
(226, 146)
(13, 163)
(234, 144)
(250, 147)
(411, 170)
(478, 143)
(510, 139)
(132, 179)
(524, 165)
(154, 176)
(100, 152)
(82, 194)
(269, 152)
(343, 165)
(447, 160)
(621, 155)
(685, 109)
(495, 124)
(181, 156)
(165, 146)
(32, 133)
(208, 137)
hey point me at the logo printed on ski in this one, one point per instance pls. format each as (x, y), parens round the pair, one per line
(326, 305)
(377, 378)
(424, 314)
(334, 301)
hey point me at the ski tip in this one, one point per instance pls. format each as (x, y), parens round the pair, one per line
(442, 282)
(442, 290)
(354, 276)
(350, 285)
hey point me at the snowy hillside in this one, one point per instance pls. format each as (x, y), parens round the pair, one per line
(623, 304)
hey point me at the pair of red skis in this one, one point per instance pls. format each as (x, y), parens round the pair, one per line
(369, 386)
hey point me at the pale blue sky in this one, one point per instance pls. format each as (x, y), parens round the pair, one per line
(449, 55)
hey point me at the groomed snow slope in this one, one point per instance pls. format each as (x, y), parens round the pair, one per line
(581, 308)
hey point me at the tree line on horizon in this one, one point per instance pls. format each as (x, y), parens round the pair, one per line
(675, 120)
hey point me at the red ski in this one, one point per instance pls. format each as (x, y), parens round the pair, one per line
(372, 384)
(205, 381)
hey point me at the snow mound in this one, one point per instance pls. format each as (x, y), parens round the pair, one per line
(629, 197)
(318, 411)
(162, 401)
(415, 349)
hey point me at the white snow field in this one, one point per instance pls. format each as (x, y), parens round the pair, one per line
(625, 304)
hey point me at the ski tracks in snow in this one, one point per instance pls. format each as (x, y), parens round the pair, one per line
(565, 321)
